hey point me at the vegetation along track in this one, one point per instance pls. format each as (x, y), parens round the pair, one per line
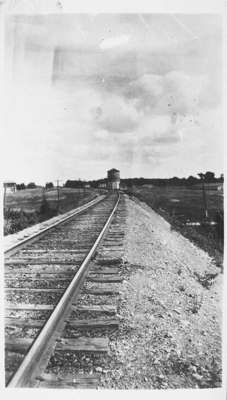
(61, 300)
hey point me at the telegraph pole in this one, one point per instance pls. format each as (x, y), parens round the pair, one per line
(4, 198)
(58, 194)
(202, 176)
(205, 201)
(58, 201)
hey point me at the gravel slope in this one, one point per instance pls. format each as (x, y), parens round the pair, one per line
(170, 310)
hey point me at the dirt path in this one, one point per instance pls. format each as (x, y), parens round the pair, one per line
(170, 310)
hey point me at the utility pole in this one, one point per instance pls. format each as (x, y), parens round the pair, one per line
(58, 193)
(205, 201)
(202, 177)
(44, 189)
(4, 198)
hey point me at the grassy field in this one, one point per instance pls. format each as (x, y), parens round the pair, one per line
(183, 205)
(30, 206)
(30, 200)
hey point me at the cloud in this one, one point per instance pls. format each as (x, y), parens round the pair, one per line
(112, 90)
(173, 93)
(114, 42)
(115, 114)
(159, 131)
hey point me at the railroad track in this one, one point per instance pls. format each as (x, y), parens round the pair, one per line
(61, 299)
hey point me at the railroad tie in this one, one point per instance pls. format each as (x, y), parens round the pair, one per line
(71, 323)
(34, 290)
(83, 344)
(93, 323)
(67, 381)
(38, 262)
(101, 292)
(105, 279)
(101, 308)
(109, 262)
(22, 322)
(29, 307)
(18, 345)
(104, 271)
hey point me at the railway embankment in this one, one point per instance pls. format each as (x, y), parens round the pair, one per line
(169, 308)
(148, 316)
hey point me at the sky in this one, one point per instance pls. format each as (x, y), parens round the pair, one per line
(89, 92)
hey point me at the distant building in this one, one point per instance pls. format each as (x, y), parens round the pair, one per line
(87, 185)
(10, 187)
(102, 184)
(113, 179)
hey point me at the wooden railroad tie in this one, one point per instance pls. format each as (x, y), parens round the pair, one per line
(101, 308)
(109, 309)
(83, 344)
(39, 277)
(34, 290)
(38, 262)
(93, 323)
(29, 307)
(47, 251)
(101, 292)
(106, 279)
(18, 345)
(68, 381)
(71, 323)
(104, 271)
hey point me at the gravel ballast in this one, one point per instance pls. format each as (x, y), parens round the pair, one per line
(169, 308)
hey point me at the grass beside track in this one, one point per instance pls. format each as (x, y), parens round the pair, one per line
(31, 206)
(181, 205)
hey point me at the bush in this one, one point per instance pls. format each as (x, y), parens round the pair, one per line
(219, 219)
(49, 185)
(18, 220)
(31, 185)
(46, 211)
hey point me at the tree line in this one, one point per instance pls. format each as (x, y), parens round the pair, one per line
(207, 177)
(32, 185)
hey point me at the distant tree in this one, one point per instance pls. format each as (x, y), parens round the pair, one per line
(31, 185)
(74, 184)
(219, 219)
(175, 181)
(21, 186)
(192, 180)
(221, 179)
(209, 176)
(49, 185)
(201, 175)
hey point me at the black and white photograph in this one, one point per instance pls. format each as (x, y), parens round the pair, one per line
(113, 199)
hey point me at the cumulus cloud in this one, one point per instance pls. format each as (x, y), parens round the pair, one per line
(175, 92)
(158, 136)
(114, 42)
(116, 115)
(105, 90)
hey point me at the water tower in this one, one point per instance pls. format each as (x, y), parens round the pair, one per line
(113, 179)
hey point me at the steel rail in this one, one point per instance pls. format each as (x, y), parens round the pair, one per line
(33, 237)
(30, 367)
